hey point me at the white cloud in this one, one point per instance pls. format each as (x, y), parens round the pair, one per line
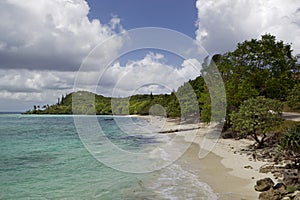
(224, 23)
(43, 42)
(36, 86)
(50, 34)
(149, 74)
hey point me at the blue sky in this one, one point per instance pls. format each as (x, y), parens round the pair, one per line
(179, 15)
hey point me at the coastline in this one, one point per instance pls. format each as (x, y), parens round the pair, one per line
(230, 173)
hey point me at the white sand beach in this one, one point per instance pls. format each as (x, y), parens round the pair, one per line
(231, 174)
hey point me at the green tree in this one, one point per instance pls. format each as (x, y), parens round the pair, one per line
(264, 67)
(294, 97)
(256, 117)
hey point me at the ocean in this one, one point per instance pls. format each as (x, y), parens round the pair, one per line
(44, 157)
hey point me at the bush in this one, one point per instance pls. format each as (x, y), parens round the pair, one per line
(291, 140)
(257, 117)
(294, 97)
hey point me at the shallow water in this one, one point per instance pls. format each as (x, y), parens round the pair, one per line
(42, 157)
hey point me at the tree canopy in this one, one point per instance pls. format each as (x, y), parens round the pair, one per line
(256, 117)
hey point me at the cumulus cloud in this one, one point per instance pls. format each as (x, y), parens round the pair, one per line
(150, 74)
(32, 85)
(43, 43)
(54, 34)
(223, 23)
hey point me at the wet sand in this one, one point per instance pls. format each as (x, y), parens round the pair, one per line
(211, 171)
(228, 172)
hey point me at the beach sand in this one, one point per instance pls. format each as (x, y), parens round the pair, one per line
(230, 174)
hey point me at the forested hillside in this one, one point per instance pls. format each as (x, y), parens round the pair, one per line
(264, 67)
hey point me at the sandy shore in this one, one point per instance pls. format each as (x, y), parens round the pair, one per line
(231, 174)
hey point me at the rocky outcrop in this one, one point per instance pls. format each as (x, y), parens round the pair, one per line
(264, 184)
(292, 177)
(276, 192)
(269, 191)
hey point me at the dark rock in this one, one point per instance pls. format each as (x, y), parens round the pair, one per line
(264, 184)
(227, 135)
(248, 167)
(278, 186)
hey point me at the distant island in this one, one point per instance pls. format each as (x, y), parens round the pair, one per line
(138, 104)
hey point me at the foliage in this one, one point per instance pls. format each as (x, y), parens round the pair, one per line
(294, 97)
(291, 140)
(257, 116)
(258, 67)
(291, 188)
(263, 67)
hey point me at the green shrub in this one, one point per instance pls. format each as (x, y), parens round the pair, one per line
(257, 117)
(291, 140)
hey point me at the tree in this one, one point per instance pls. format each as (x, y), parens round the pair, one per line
(256, 117)
(294, 97)
(258, 67)
(262, 67)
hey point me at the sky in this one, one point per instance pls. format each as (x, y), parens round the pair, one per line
(43, 43)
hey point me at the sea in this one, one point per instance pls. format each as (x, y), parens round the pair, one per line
(46, 157)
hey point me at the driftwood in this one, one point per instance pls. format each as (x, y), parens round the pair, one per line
(179, 130)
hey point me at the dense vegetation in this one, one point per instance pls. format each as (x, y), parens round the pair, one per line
(82, 102)
(257, 116)
(258, 75)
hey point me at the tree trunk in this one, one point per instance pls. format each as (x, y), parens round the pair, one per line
(260, 143)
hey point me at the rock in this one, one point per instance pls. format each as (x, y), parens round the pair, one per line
(297, 197)
(273, 194)
(248, 167)
(292, 195)
(278, 186)
(227, 134)
(266, 169)
(264, 184)
(268, 195)
(286, 198)
(297, 192)
(277, 175)
(291, 177)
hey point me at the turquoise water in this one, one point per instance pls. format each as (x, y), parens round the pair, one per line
(42, 157)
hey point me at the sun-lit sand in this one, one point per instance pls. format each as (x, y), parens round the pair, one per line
(231, 174)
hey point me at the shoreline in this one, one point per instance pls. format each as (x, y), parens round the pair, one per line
(230, 173)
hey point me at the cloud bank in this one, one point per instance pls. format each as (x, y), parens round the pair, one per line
(44, 42)
(223, 23)
(50, 35)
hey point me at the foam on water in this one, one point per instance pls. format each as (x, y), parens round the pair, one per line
(175, 183)
(42, 157)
